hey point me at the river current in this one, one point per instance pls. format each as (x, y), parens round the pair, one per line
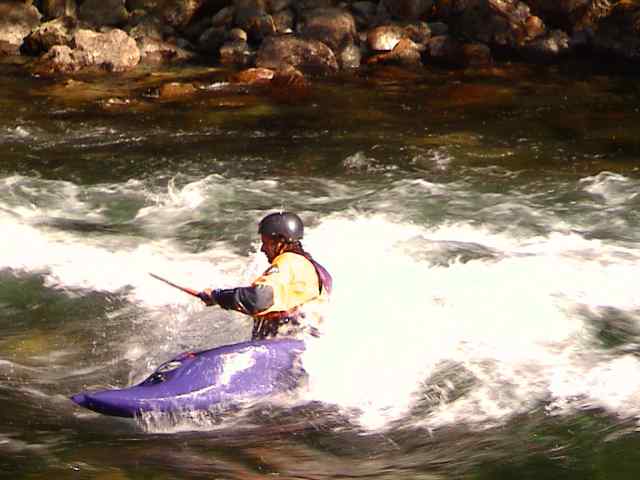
(483, 233)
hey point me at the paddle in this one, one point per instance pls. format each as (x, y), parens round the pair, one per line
(184, 289)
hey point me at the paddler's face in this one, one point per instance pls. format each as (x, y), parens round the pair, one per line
(269, 247)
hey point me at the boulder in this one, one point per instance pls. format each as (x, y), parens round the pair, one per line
(237, 52)
(275, 6)
(156, 51)
(405, 52)
(279, 52)
(289, 86)
(618, 35)
(385, 37)
(565, 13)
(176, 13)
(59, 8)
(284, 21)
(61, 59)
(223, 18)
(548, 48)
(176, 90)
(114, 50)
(449, 51)
(253, 76)
(334, 27)
(349, 57)
(211, 40)
(56, 32)
(408, 9)
(17, 20)
(252, 17)
(104, 13)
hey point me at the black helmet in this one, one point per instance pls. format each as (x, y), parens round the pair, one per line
(283, 224)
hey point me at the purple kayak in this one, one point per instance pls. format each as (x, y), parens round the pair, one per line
(206, 380)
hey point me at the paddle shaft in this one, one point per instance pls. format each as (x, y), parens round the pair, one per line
(190, 291)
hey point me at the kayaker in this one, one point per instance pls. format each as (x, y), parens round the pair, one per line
(286, 299)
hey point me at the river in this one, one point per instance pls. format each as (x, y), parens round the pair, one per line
(483, 233)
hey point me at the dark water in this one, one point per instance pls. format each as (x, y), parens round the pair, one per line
(482, 228)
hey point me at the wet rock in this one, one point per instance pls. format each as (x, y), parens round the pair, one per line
(384, 38)
(104, 13)
(237, 35)
(150, 27)
(17, 20)
(211, 40)
(56, 32)
(300, 6)
(349, 57)
(59, 8)
(333, 26)
(279, 52)
(618, 35)
(289, 85)
(176, 13)
(224, 17)
(8, 49)
(406, 52)
(503, 23)
(364, 13)
(275, 6)
(419, 32)
(238, 53)
(549, 47)
(408, 9)
(175, 90)
(283, 21)
(565, 13)
(438, 28)
(156, 51)
(252, 76)
(252, 17)
(449, 51)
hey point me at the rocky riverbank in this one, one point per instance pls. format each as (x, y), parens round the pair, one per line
(264, 38)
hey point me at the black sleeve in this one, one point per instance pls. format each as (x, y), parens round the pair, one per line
(249, 300)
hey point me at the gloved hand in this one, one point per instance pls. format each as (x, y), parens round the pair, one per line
(207, 297)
